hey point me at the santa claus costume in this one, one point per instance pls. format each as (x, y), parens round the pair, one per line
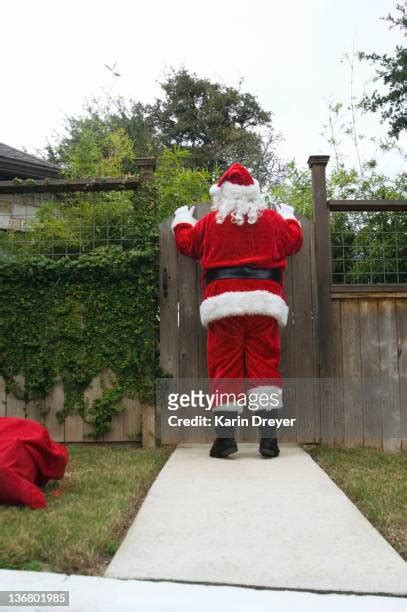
(242, 247)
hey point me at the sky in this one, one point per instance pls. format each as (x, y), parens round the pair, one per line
(288, 53)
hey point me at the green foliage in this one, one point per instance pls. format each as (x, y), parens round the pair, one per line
(294, 190)
(73, 318)
(178, 185)
(366, 247)
(96, 156)
(100, 118)
(80, 289)
(369, 247)
(79, 223)
(104, 408)
(391, 72)
(342, 184)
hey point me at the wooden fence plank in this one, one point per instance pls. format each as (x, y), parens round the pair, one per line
(74, 428)
(201, 211)
(117, 432)
(34, 409)
(54, 402)
(16, 407)
(148, 426)
(131, 419)
(401, 313)
(287, 364)
(372, 392)
(169, 327)
(92, 392)
(314, 316)
(304, 359)
(352, 374)
(188, 346)
(331, 372)
(389, 375)
(188, 317)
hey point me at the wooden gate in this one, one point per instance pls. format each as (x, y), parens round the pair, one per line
(183, 339)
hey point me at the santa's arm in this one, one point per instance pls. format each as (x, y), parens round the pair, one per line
(293, 233)
(187, 232)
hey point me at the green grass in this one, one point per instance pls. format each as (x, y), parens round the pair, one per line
(376, 483)
(88, 511)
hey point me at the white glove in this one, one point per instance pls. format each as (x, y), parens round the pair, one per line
(285, 210)
(183, 214)
(184, 210)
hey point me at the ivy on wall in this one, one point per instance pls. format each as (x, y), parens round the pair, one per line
(72, 317)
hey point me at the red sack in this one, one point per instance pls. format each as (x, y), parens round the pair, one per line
(28, 459)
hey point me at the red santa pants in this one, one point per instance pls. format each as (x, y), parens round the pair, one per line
(243, 354)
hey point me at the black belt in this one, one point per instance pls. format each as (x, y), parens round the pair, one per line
(243, 272)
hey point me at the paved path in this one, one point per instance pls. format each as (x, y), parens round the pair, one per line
(279, 523)
(96, 594)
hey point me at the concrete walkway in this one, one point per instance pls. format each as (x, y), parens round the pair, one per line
(248, 521)
(97, 594)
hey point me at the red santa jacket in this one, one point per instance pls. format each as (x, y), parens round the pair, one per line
(264, 244)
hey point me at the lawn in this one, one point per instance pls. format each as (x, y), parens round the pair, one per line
(88, 511)
(377, 484)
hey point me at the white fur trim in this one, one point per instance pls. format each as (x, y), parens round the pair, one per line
(182, 217)
(235, 303)
(228, 408)
(214, 190)
(292, 218)
(230, 190)
(272, 392)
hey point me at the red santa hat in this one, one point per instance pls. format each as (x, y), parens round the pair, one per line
(236, 181)
(237, 194)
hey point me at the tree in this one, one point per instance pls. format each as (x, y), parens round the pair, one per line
(101, 118)
(391, 71)
(215, 123)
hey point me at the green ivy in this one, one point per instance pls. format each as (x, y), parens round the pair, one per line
(71, 318)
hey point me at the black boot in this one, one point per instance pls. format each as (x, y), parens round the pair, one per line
(222, 447)
(224, 444)
(269, 447)
(268, 440)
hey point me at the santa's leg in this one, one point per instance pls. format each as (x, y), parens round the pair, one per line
(225, 370)
(262, 358)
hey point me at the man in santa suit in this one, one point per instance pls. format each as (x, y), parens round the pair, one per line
(242, 247)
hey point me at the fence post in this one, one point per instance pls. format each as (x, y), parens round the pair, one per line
(320, 216)
(328, 311)
(146, 165)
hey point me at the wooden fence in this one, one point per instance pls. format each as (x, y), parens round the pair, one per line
(362, 340)
(344, 350)
(127, 425)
